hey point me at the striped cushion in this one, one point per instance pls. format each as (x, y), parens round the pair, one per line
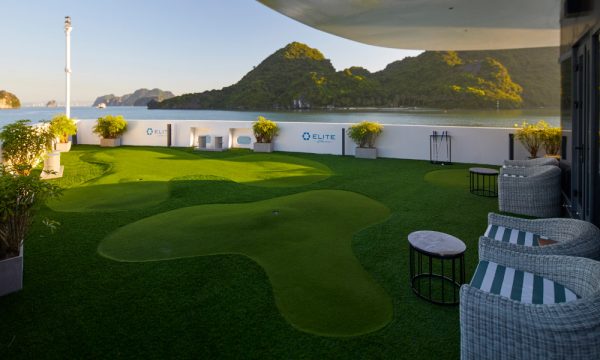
(513, 167)
(513, 236)
(519, 285)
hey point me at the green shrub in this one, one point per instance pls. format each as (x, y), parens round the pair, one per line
(531, 136)
(23, 145)
(365, 133)
(552, 139)
(110, 126)
(534, 136)
(19, 197)
(264, 130)
(63, 127)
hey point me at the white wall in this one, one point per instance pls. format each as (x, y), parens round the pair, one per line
(469, 144)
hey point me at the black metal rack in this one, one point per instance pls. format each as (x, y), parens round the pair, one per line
(440, 148)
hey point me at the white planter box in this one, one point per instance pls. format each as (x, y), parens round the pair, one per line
(63, 147)
(52, 168)
(110, 142)
(365, 153)
(263, 147)
(11, 274)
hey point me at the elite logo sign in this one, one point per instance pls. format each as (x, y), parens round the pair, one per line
(318, 138)
(157, 132)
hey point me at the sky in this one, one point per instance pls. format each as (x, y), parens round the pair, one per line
(179, 45)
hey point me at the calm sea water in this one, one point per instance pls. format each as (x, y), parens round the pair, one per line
(502, 118)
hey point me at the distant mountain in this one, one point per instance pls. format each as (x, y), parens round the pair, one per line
(537, 71)
(447, 80)
(140, 97)
(9, 100)
(300, 77)
(292, 75)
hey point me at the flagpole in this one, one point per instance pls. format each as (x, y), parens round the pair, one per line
(68, 66)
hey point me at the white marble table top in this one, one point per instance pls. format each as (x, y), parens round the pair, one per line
(435, 242)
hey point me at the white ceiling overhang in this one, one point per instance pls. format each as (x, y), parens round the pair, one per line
(432, 24)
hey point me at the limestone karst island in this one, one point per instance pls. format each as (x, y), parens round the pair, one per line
(9, 100)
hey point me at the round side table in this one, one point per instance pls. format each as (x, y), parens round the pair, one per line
(437, 266)
(483, 182)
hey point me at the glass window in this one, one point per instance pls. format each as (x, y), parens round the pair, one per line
(244, 140)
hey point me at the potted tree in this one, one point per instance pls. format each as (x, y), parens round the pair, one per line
(531, 137)
(21, 190)
(364, 135)
(24, 146)
(551, 139)
(62, 127)
(264, 132)
(19, 197)
(110, 128)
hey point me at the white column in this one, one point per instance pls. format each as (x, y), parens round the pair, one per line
(68, 66)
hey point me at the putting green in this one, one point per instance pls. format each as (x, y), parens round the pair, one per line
(139, 177)
(302, 241)
(449, 177)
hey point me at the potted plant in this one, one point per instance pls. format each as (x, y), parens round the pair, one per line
(264, 132)
(62, 127)
(551, 139)
(110, 128)
(19, 197)
(531, 136)
(24, 146)
(364, 135)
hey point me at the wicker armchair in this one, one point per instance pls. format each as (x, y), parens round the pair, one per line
(531, 162)
(497, 327)
(573, 237)
(533, 191)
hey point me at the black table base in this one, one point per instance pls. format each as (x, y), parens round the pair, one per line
(436, 278)
(483, 182)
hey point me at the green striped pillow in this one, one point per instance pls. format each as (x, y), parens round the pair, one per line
(513, 236)
(519, 285)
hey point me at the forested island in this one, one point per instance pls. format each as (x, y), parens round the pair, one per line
(140, 97)
(300, 77)
(9, 100)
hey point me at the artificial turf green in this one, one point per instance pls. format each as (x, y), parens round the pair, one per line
(78, 304)
(449, 178)
(302, 241)
(141, 176)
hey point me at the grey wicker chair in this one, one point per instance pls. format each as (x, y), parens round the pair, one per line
(531, 162)
(496, 327)
(573, 237)
(533, 191)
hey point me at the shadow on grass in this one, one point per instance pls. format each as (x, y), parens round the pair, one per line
(135, 178)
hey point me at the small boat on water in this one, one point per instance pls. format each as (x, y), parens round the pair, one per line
(101, 106)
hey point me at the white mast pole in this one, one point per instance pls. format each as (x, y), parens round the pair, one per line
(68, 67)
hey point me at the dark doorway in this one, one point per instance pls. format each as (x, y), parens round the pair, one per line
(584, 169)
